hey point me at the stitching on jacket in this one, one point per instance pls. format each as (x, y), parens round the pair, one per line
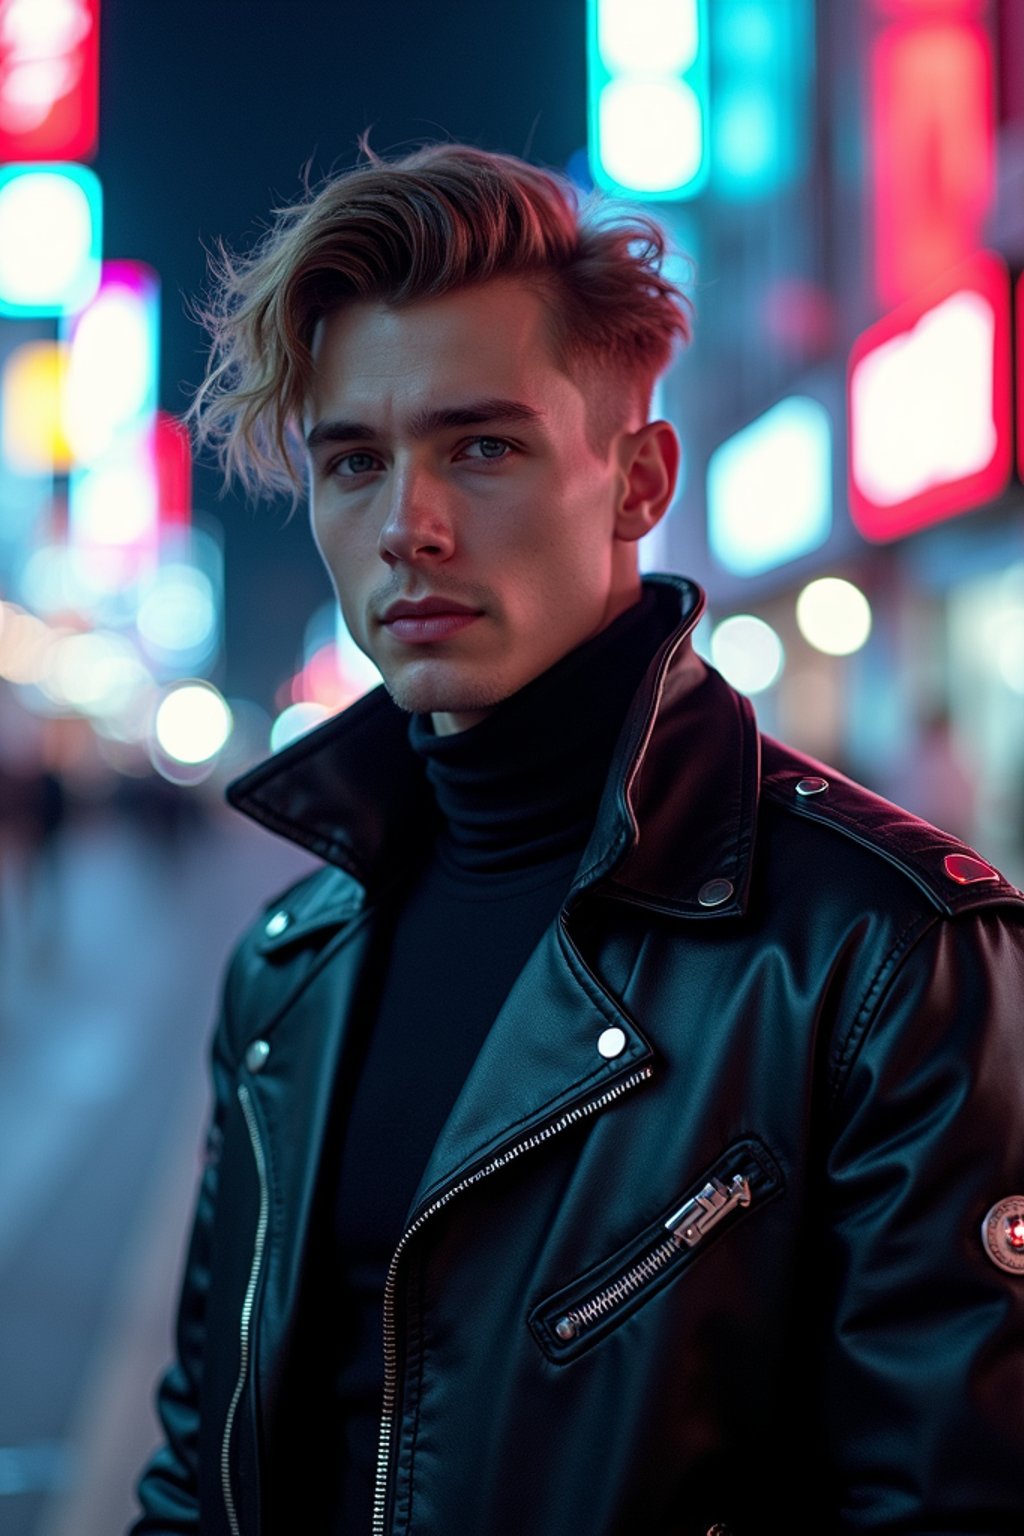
(844, 1051)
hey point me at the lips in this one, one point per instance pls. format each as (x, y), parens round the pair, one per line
(426, 607)
(431, 618)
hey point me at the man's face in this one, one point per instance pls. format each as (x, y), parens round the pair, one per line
(467, 524)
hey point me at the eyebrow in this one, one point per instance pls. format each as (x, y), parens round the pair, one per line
(425, 423)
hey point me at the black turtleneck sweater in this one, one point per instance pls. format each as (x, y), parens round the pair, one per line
(516, 796)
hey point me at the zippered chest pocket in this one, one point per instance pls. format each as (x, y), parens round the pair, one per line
(740, 1181)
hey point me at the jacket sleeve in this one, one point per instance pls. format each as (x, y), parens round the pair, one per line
(168, 1489)
(924, 1360)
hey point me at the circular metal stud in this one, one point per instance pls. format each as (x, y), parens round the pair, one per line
(611, 1042)
(812, 786)
(256, 1055)
(714, 892)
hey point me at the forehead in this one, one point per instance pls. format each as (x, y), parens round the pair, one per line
(489, 340)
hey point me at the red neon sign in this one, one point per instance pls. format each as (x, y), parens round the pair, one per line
(929, 404)
(931, 147)
(172, 457)
(49, 79)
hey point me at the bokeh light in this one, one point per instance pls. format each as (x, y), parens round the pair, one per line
(177, 616)
(295, 721)
(747, 652)
(833, 615)
(192, 722)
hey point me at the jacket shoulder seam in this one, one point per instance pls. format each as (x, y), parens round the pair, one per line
(919, 855)
(874, 995)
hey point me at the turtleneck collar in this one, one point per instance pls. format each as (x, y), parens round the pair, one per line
(521, 788)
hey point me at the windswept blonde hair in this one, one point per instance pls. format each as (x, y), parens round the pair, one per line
(395, 231)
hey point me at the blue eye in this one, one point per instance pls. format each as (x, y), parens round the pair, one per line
(487, 444)
(355, 467)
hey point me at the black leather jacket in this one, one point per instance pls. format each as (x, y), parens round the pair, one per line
(700, 1245)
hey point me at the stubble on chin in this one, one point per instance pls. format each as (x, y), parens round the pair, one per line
(425, 695)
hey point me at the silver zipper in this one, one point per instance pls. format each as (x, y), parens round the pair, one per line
(571, 1117)
(250, 1293)
(687, 1227)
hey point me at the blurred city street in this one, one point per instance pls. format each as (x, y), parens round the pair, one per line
(840, 191)
(112, 941)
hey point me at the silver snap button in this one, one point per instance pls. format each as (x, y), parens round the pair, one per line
(256, 1055)
(277, 924)
(611, 1042)
(812, 786)
(713, 892)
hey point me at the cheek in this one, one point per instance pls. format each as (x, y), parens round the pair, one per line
(339, 540)
(320, 528)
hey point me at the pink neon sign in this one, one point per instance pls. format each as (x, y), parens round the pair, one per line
(49, 79)
(929, 404)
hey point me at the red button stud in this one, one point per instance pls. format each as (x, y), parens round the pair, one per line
(1002, 1233)
(965, 868)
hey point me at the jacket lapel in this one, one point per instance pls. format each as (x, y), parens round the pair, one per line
(293, 1092)
(540, 1059)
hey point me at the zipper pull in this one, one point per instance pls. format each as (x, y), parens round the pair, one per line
(696, 1218)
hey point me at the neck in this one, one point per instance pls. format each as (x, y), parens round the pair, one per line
(521, 787)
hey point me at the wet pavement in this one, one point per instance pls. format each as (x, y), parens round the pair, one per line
(112, 947)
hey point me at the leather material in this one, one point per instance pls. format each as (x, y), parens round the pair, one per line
(846, 1032)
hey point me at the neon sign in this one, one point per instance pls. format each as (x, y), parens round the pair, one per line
(647, 72)
(769, 491)
(931, 149)
(49, 79)
(930, 404)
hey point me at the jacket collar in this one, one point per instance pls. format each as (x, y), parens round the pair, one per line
(674, 829)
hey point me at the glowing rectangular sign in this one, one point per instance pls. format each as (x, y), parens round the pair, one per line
(32, 407)
(929, 404)
(931, 150)
(51, 219)
(760, 111)
(114, 356)
(172, 455)
(113, 512)
(770, 488)
(49, 79)
(647, 89)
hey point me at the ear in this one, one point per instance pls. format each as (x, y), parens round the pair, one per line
(649, 465)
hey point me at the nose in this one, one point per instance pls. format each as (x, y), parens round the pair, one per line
(418, 526)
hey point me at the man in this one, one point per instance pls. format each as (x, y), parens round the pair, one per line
(622, 1132)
